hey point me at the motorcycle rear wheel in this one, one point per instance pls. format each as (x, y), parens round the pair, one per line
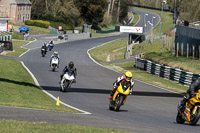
(54, 68)
(179, 118)
(196, 118)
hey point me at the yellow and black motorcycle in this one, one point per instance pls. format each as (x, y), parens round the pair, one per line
(120, 96)
(191, 113)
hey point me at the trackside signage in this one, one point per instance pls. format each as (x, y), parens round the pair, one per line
(131, 29)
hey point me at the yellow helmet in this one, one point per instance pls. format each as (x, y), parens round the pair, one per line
(128, 76)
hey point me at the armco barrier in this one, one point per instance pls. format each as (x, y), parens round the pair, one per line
(177, 75)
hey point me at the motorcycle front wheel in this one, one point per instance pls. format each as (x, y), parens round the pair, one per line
(179, 118)
(118, 102)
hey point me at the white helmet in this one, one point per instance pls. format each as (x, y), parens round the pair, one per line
(55, 53)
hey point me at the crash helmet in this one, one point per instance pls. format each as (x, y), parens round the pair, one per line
(55, 53)
(71, 64)
(45, 44)
(128, 76)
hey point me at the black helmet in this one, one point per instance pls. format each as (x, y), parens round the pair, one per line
(71, 64)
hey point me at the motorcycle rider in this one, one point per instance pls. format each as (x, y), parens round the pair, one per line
(127, 77)
(68, 68)
(55, 55)
(51, 44)
(44, 46)
(194, 87)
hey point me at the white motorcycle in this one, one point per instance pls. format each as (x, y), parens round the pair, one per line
(66, 81)
(54, 63)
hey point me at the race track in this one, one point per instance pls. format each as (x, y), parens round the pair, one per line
(149, 109)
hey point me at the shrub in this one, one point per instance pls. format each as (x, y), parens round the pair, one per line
(39, 23)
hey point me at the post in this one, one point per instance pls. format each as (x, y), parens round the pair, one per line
(177, 47)
(152, 28)
(161, 29)
(145, 26)
(193, 51)
(199, 52)
(187, 49)
(181, 49)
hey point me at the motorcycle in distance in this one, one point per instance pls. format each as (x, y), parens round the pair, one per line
(191, 113)
(54, 63)
(43, 52)
(50, 46)
(120, 96)
(67, 80)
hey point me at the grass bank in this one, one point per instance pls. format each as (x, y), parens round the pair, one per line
(12, 126)
(110, 52)
(17, 88)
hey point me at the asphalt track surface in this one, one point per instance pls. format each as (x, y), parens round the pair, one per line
(149, 109)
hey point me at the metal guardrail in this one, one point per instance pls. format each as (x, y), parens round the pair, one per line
(4, 41)
(177, 75)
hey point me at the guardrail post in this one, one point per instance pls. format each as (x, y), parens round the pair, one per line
(193, 51)
(199, 52)
(177, 47)
(182, 49)
(187, 49)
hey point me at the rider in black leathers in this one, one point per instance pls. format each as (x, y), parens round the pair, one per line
(194, 87)
(44, 46)
(70, 67)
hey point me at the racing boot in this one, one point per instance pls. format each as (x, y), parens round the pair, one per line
(111, 94)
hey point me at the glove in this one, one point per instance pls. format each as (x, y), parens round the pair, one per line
(131, 92)
(187, 96)
(192, 95)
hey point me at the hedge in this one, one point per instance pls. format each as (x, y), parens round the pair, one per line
(45, 24)
(39, 23)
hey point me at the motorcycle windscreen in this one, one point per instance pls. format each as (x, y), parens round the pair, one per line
(54, 61)
(125, 87)
(69, 75)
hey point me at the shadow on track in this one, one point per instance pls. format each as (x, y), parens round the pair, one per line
(157, 94)
(104, 91)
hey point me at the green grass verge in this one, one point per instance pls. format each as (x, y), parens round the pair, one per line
(18, 89)
(12, 126)
(38, 30)
(110, 52)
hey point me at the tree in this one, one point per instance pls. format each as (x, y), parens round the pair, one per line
(92, 11)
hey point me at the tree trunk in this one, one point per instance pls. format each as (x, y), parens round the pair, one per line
(113, 3)
(46, 5)
(109, 4)
(118, 10)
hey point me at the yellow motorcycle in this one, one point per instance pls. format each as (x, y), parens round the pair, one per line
(191, 113)
(120, 96)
